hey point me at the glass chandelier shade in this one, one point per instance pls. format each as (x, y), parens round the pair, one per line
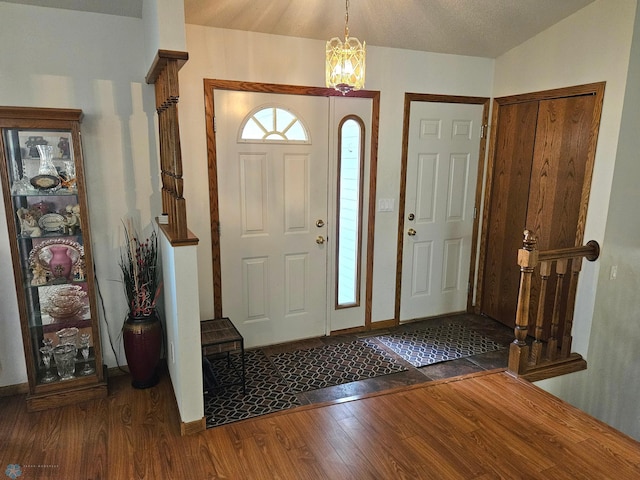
(345, 61)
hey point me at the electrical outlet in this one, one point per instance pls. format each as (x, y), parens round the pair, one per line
(613, 273)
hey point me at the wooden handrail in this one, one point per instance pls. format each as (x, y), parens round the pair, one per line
(591, 251)
(547, 356)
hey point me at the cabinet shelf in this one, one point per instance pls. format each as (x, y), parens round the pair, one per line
(44, 193)
(49, 236)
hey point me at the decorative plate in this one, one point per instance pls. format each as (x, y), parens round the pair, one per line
(45, 182)
(41, 254)
(51, 222)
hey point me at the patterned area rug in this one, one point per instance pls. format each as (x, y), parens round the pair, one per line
(438, 344)
(267, 392)
(272, 384)
(331, 365)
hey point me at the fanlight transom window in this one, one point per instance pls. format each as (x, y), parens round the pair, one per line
(273, 124)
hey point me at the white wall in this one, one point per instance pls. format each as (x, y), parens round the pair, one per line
(594, 45)
(163, 26)
(182, 325)
(62, 58)
(234, 55)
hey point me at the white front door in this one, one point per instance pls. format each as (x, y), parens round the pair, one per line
(442, 166)
(272, 196)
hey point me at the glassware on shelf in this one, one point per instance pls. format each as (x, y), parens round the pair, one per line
(68, 336)
(65, 357)
(22, 186)
(46, 351)
(84, 348)
(69, 176)
(46, 161)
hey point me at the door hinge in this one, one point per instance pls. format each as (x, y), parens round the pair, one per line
(475, 212)
(483, 130)
(215, 126)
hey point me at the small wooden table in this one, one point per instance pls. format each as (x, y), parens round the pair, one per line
(218, 336)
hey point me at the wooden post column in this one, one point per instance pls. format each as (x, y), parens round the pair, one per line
(164, 75)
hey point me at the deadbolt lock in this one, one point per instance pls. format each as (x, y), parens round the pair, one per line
(411, 216)
(320, 223)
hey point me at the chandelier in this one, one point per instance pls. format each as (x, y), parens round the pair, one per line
(345, 61)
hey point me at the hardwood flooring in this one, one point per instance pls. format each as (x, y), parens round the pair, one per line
(486, 425)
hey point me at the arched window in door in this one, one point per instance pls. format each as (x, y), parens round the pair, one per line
(273, 124)
(349, 211)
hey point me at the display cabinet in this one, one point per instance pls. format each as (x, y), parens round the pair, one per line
(45, 201)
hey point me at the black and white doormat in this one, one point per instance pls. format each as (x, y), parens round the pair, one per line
(272, 383)
(266, 391)
(331, 365)
(438, 344)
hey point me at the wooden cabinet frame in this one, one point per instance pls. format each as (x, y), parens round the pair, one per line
(34, 320)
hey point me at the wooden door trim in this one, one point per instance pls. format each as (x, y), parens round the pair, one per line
(210, 85)
(423, 97)
(573, 91)
(596, 89)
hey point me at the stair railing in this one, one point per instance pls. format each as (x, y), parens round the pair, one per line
(544, 358)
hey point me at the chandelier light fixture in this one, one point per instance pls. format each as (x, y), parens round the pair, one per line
(345, 61)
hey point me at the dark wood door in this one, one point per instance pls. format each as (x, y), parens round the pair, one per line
(557, 182)
(541, 169)
(507, 210)
(558, 172)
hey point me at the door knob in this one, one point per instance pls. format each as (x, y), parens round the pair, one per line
(320, 223)
(320, 240)
(411, 232)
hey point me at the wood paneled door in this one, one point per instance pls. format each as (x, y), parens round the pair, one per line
(539, 178)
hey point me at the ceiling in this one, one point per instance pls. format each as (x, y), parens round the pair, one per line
(486, 28)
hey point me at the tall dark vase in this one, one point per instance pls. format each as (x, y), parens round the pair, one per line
(142, 337)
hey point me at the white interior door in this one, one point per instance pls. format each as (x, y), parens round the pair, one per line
(271, 194)
(442, 166)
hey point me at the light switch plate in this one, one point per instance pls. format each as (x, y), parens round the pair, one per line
(386, 204)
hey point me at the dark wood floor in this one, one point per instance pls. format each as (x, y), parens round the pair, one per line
(484, 426)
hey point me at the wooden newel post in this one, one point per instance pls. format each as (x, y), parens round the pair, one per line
(527, 259)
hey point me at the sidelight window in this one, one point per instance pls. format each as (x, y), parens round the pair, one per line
(349, 214)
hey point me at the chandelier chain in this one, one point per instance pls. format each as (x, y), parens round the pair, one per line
(346, 20)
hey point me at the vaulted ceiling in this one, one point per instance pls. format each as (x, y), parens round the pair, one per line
(485, 28)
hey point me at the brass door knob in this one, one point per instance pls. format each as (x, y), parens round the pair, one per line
(320, 240)
(411, 232)
(320, 223)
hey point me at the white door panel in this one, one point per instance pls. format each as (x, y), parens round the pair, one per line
(442, 165)
(270, 196)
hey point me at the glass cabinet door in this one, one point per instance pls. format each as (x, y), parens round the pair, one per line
(45, 202)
